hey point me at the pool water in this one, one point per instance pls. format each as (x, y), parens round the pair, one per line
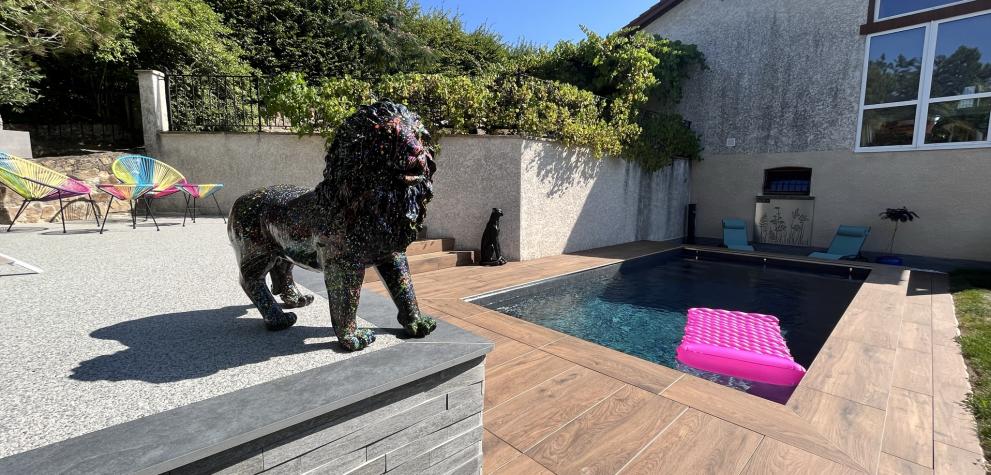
(639, 307)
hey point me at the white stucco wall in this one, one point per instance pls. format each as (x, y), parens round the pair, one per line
(784, 81)
(16, 143)
(242, 162)
(555, 199)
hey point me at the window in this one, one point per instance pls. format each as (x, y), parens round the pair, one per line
(928, 86)
(893, 8)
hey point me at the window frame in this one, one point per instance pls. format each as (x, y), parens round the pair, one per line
(876, 14)
(922, 100)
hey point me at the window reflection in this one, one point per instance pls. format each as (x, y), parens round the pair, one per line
(889, 8)
(958, 121)
(894, 67)
(888, 126)
(963, 57)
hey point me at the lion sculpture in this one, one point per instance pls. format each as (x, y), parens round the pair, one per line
(366, 211)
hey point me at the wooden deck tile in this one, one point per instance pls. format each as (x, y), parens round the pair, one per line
(776, 457)
(909, 427)
(951, 460)
(523, 465)
(508, 380)
(465, 325)
(505, 350)
(537, 413)
(496, 452)
(455, 307)
(913, 371)
(852, 370)
(944, 319)
(891, 465)
(870, 327)
(953, 422)
(629, 369)
(758, 415)
(853, 427)
(604, 439)
(519, 330)
(916, 337)
(697, 443)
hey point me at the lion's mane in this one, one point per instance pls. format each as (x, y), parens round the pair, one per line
(363, 178)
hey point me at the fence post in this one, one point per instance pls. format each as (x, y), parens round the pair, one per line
(154, 108)
(258, 102)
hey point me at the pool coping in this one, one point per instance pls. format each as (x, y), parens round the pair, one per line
(838, 410)
(170, 439)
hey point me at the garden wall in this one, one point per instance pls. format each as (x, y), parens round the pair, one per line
(554, 199)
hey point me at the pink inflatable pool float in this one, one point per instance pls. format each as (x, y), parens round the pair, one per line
(739, 344)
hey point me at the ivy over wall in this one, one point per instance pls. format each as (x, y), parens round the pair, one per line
(589, 94)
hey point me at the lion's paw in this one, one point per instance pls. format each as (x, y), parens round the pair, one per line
(281, 321)
(358, 340)
(420, 326)
(293, 298)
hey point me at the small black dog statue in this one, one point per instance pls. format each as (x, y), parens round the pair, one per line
(491, 251)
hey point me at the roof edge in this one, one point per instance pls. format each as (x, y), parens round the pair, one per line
(653, 13)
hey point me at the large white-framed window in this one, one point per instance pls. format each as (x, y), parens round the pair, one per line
(927, 86)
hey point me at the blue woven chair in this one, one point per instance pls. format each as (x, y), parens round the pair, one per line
(735, 235)
(846, 243)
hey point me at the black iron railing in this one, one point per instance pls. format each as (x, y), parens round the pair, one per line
(219, 103)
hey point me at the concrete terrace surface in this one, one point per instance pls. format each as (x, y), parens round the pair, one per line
(132, 323)
(885, 395)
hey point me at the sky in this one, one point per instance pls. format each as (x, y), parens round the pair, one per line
(544, 22)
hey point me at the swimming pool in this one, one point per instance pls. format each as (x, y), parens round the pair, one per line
(639, 307)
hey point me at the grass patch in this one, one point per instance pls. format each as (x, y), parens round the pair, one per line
(972, 297)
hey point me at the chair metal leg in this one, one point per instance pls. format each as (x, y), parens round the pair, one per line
(24, 204)
(134, 213)
(61, 210)
(194, 210)
(148, 210)
(221, 211)
(96, 210)
(107, 214)
(185, 210)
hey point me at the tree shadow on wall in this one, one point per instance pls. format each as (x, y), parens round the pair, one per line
(188, 345)
(561, 167)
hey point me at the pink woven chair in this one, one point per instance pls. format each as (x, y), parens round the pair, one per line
(35, 182)
(130, 193)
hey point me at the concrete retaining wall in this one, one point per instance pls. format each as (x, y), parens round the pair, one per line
(555, 199)
(433, 425)
(242, 162)
(16, 143)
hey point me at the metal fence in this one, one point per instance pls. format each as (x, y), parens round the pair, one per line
(219, 103)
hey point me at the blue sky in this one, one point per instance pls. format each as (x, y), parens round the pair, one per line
(543, 22)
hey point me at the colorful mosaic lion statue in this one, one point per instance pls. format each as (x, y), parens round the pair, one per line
(366, 211)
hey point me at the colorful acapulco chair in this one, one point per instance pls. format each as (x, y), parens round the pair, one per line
(36, 182)
(137, 169)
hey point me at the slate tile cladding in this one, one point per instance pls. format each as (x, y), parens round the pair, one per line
(430, 425)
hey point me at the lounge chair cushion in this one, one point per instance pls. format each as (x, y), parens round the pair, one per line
(735, 235)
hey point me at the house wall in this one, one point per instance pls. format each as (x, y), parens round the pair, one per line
(784, 81)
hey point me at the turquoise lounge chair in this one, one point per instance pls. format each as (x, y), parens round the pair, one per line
(735, 234)
(846, 244)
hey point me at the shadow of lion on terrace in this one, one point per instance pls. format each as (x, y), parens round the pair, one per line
(188, 345)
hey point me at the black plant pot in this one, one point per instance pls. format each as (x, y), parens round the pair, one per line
(890, 260)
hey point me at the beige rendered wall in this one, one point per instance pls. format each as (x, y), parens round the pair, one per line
(242, 162)
(474, 175)
(948, 188)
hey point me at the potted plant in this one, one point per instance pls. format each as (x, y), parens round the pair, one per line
(895, 215)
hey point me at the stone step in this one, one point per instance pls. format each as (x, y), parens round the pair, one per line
(421, 263)
(429, 246)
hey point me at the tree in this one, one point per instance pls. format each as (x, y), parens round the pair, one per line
(364, 39)
(30, 29)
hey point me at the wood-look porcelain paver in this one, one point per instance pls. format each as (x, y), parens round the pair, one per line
(885, 395)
